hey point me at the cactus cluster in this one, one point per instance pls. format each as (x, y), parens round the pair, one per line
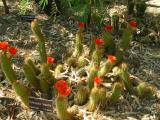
(93, 93)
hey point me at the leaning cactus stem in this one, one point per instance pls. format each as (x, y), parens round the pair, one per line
(116, 92)
(22, 91)
(124, 75)
(41, 42)
(7, 69)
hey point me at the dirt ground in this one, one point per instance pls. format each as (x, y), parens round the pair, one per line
(143, 58)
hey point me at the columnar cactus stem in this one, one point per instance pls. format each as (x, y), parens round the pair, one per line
(41, 42)
(116, 92)
(45, 85)
(125, 41)
(61, 108)
(130, 6)
(29, 62)
(82, 61)
(140, 8)
(115, 23)
(58, 70)
(81, 96)
(22, 91)
(7, 69)
(31, 76)
(124, 75)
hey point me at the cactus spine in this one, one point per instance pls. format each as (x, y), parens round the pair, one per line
(22, 91)
(124, 75)
(7, 69)
(31, 76)
(116, 92)
(82, 96)
(115, 23)
(41, 42)
(61, 108)
(140, 8)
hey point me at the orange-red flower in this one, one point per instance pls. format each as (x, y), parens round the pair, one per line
(82, 24)
(50, 59)
(108, 27)
(12, 50)
(111, 58)
(4, 45)
(62, 88)
(133, 23)
(98, 80)
(99, 41)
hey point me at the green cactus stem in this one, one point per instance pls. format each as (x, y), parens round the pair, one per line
(82, 61)
(125, 41)
(61, 108)
(116, 92)
(107, 67)
(81, 96)
(7, 69)
(29, 62)
(96, 57)
(141, 8)
(109, 42)
(31, 76)
(41, 42)
(71, 61)
(102, 95)
(58, 70)
(92, 73)
(93, 99)
(144, 90)
(22, 91)
(124, 75)
(115, 23)
(130, 6)
(45, 86)
(46, 73)
(78, 43)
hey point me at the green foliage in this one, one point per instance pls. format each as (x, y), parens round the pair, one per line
(23, 6)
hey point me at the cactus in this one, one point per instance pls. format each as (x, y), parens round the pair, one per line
(7, 69)
(61, 108)
(124, 75)
(71, 61)
(141, 8)
(93, 99)
(81, 96)
(82, 61)
(58, 70)
(45, 86)
(41, 42)
(92, 46)
(96, 57)
(143, 90)
(115, 23)
(109, 42)
(78, 45)
(125, 41)
(130, 6)
(102, 95)
(22, 91)
(116, 92)
(92, 73)
(31, 76)
(29, 62)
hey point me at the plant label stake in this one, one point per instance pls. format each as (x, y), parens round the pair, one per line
(40, 104)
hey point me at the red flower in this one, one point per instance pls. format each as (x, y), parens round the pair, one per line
(133, 23)
(12, 50)
(98, 80)
(82, 24)
(108, 27)
(62, 88)
(111, 58)
(50, 59)
(65, 92)
(99, 41)
(4, 45)
(61, 84)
